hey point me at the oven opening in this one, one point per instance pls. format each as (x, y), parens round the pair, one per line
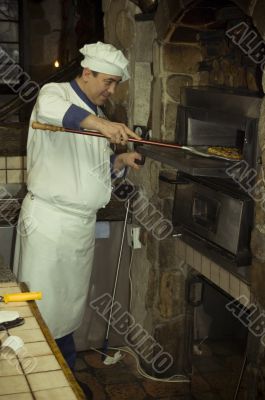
(220, 341)
(205, 212)
(240, 140)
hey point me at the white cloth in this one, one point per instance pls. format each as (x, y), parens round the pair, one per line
(54, 255)
(56, 229)
(105, 58)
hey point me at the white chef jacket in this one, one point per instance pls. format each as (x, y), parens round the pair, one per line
(68, 181)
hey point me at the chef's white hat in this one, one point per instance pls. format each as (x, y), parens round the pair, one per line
(105, 58)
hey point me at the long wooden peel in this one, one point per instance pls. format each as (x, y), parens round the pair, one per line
(199, 151)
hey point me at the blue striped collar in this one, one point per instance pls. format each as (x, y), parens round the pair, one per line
(83, 96)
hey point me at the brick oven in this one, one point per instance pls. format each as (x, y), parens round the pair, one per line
(185, 44)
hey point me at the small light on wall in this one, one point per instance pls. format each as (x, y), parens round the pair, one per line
(56, 64)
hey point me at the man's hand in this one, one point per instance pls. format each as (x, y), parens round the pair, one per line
(127, 160)
(114, 131)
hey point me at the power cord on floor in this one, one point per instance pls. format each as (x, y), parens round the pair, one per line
(172, 379)
(111, 360)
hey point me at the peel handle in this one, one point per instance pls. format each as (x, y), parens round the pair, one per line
(39, 125)
(21, 296)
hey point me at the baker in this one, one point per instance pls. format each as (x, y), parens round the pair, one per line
(69, 179)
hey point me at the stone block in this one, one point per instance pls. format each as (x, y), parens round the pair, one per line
(181, 58)
(169, 257)
(152, 251)
(175, 338)
(171, 294)
(156, 49)
(169, 121)
(110, 16)
(258, 17)
(167, 12)
(145, 35)
(246, 5)
(142, 93)
(262, 126)
(121, 93)
(175, 82)
(257, 242)
(105, 5)
(165, 189)
(152, 288)
(157, 107)
(204, 77)
(167, 214)
(140, 276)
(120, 114)
(183, 35)
(125, 29)
(257, 281)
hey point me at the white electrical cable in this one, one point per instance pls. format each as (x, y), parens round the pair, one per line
(130, 279)
(171, 379)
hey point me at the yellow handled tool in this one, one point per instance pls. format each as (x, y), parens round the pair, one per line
(21, 296)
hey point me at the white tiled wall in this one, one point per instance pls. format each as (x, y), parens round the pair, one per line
(13, 169)
(228, 282)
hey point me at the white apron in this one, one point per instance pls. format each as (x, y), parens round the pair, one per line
(54, 254)
(56, 229)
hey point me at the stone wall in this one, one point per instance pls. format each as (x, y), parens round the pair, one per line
(158, 275)
(166, 53)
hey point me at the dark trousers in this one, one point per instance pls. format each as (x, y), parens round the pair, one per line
(67, 346)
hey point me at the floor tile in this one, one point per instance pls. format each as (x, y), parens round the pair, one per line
(47, 380)
(125, 391)
(8, 368)
(214, 377)
(199, 384)
(31, 335)
(161, 389)
(7, 290)
(64, 393)
(34, 350)
(9, 284)
(80, 365)
(95, 386)
(11, 304)
(114, 374)
(207, 396)
(23, 311)
(94, 359)
(13, 384)
(30, 323)
(8, 354)
(17, 396)
(40, 364)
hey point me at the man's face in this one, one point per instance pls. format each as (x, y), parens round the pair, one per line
(100, 87)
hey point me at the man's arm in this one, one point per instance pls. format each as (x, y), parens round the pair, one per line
(116, 132)
(52, 107)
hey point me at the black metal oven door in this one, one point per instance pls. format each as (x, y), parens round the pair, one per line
(205, 212)
(214, 215)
